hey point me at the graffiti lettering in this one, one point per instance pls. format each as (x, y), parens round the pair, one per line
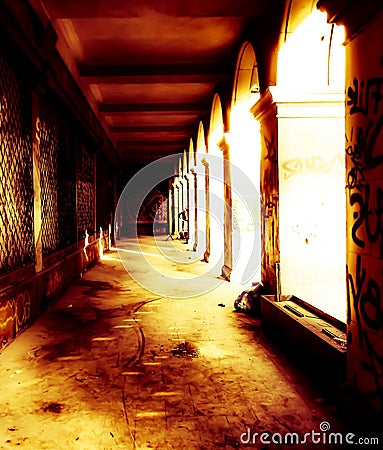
(364, 154)
(14, 315)
(362, 146)
(373, 366)
(370, 216)
(353, 298)
(356, 152)
(315, 164)
(361, 153)
(22, 309)
(365, 95)
(364, 297)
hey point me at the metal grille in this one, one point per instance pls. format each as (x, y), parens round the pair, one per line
(48, 175)
(104, 191)
(16, 182)
(66, 193)
(57, 171)
(85, 193)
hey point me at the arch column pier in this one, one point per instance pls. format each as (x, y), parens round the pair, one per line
(193, 215)
(176, 188)
(228, 212)
(206, 254)
(184, 184)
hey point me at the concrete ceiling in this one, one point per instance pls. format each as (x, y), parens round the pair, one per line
(150, 68)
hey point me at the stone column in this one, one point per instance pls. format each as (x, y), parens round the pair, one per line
(364, 196)
(170, 210)
(191, 207)
(207, 205)
(228, 214)
(194, 215)
(184, 193)
(176, 207)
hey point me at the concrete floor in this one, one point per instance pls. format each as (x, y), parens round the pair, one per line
(104, 368)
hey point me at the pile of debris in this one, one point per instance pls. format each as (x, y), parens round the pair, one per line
(248, 301)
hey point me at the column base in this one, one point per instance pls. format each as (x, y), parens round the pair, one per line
(206, 256)
(226, 272)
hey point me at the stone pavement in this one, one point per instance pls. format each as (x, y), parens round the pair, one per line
(112, 365)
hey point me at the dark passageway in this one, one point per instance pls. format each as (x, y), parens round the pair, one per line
(190, 223)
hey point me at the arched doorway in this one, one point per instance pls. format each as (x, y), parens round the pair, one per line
(192, 198)
(202, 238)
(244, 140)
(311, 129)
(216, 183)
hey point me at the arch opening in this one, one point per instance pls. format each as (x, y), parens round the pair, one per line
(201, 241)
(311, 160)
(216, 183)
(244, 141)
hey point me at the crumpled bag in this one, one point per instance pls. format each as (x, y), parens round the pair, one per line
(249, 300)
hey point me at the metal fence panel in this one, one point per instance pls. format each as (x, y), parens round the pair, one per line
(16, 179)
(85, 193)
(57, 164)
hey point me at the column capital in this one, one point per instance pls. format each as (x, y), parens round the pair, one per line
(223, 143)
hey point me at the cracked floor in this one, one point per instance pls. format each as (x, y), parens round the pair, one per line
(112, 365)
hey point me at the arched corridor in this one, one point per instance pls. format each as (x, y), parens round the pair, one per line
(198, 176)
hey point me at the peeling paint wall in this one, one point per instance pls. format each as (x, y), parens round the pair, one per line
(265, 112)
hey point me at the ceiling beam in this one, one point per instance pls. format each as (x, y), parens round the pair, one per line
(153, 70)
(133, 148)
(152, 128)
(154, 74)
(141, 143)
(146, 157)
(136, 151)
(112, 9)
(185, 108)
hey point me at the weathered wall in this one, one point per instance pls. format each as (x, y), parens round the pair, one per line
(48, 198)
(364, 153)
(265, 112)
(24, 300)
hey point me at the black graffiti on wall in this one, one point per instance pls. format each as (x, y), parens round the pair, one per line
(362, 145)
(364, 297)
(364, 150)
(368, 218)
(365, 97)
(356, 151)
